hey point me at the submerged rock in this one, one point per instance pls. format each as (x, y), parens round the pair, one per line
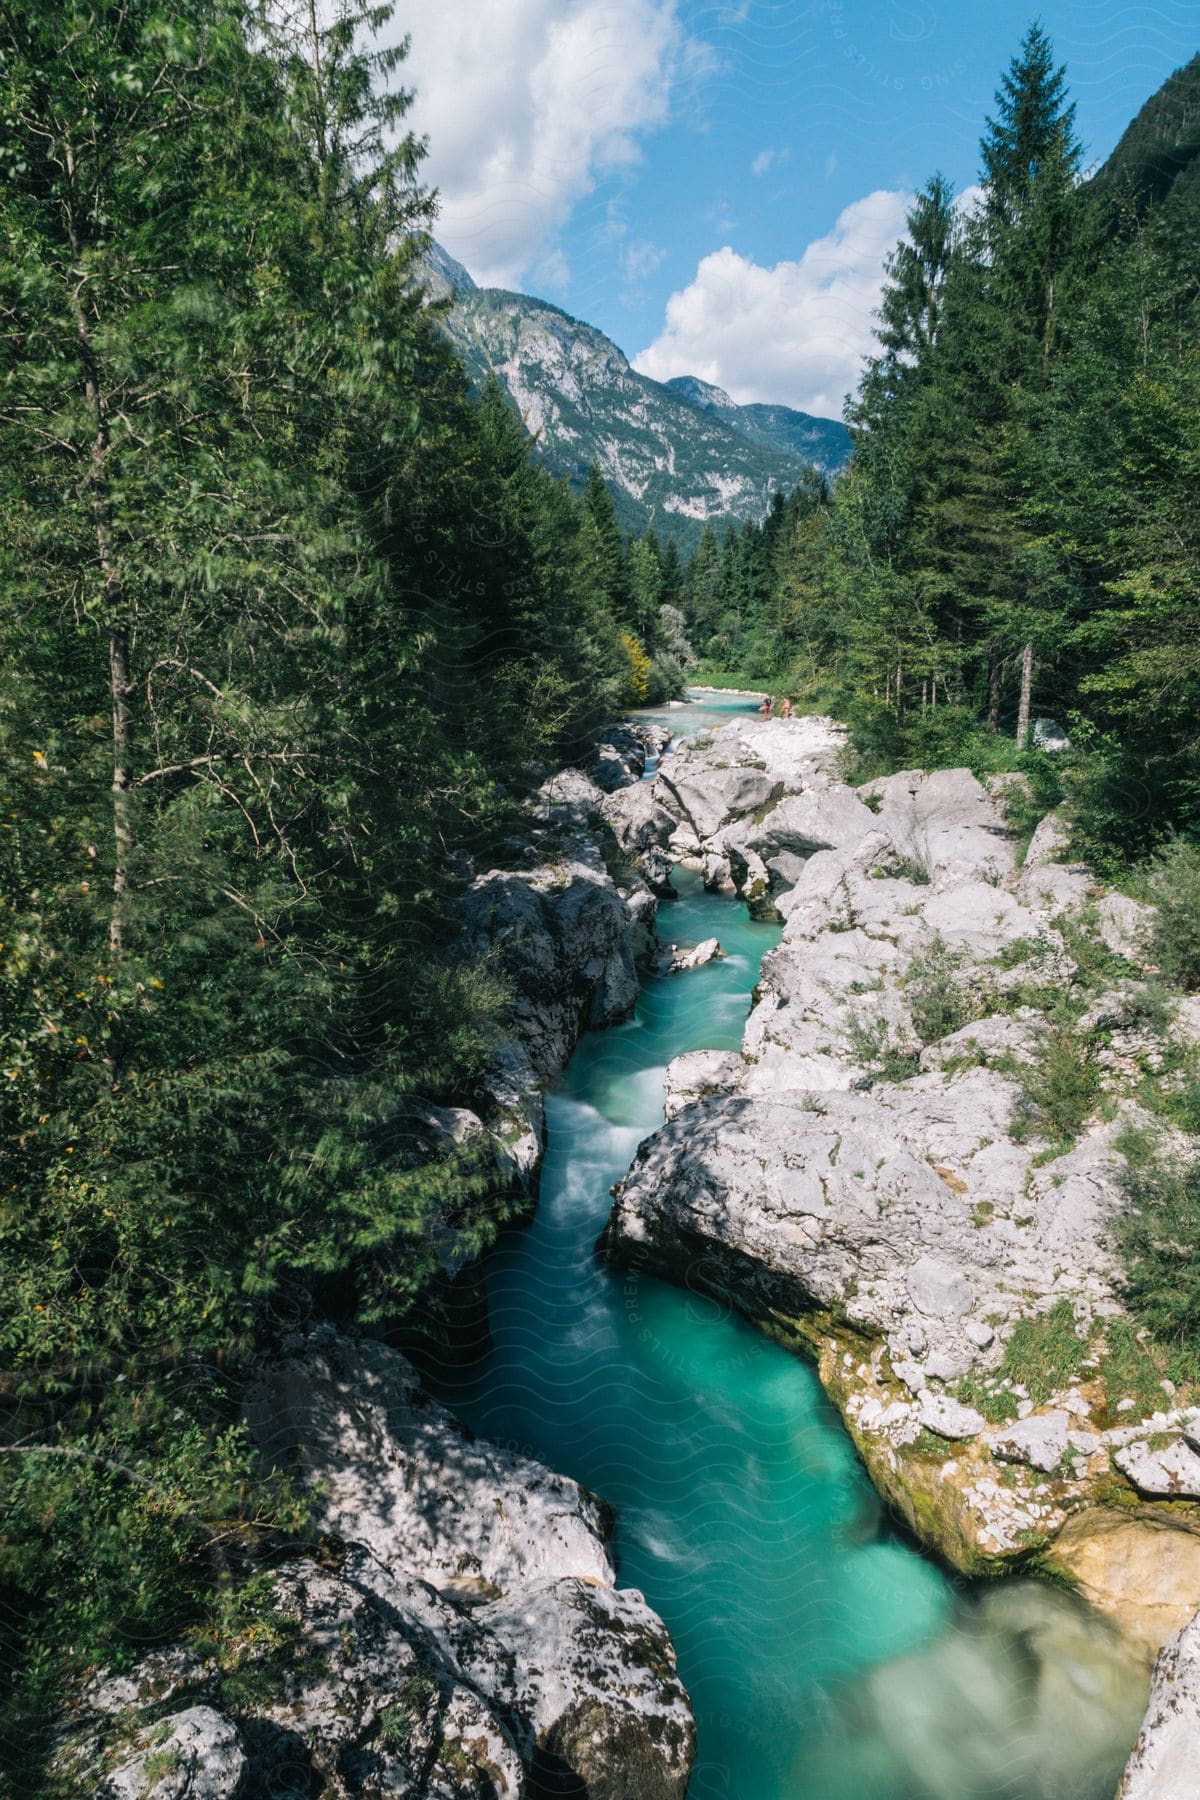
(1026, 1695)
(677, 962)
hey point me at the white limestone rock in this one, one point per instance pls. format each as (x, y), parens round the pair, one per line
(566, 939)
(643, 829)
(593, 1681)
(708, 950)
(706, 794)
(699, 1074)
(938, 1289)
(392, 1470)
(195, 1754)
(1039, 1441)
(950, 1418)
(999, 1035)
(1165, 1761)
(1173, 1470)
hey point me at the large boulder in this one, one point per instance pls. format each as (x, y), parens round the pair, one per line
(707, 795)
(623, 750)
(591, 1674)
(563, 934)
(392, 1470)
(194, 1754)
(587, 1670)
(1165, 1764)
(466, 1641)
(643, 827)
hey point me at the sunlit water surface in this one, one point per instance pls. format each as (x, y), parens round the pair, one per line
(826, 1658)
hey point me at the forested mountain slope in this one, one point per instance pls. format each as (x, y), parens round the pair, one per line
(1158, 157)
(675, 455)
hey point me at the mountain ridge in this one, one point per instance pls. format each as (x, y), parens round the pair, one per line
(677, 455)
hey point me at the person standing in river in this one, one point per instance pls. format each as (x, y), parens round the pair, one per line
(785, 708)
(765, 708)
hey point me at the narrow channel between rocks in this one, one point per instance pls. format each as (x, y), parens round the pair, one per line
(824, 1655)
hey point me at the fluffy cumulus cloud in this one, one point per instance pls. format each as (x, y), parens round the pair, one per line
(796, 333)
(526, 104)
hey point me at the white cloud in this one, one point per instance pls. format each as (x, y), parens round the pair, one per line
(768, 159)
(796, 333)
(526, 104)
(970, 202)
(640, 259)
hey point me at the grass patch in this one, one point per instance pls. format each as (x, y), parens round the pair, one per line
(1130, 1370)
(881, 1055)
(1045, 1353)
(1173, 882)
(398, 1720)
(998, 1405)
(912, 869)
(929, 1446)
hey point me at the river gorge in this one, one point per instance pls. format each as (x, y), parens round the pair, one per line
(825, 1655)
(740, 1466)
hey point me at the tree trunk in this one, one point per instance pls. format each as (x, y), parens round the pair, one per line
(993, 716)
(1026, 697)
(122, 731)
(115, 606)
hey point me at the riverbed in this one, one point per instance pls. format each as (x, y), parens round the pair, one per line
(826, 1657)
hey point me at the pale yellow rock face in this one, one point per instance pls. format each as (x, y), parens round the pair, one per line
(1143, 1571)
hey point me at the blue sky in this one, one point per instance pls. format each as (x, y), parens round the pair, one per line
(714, 182)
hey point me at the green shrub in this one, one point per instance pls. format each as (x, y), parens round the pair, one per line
(881, 1055)
(998, 1405)
(1174, 883)
(937, 1003)
(1058, 1088)
(1158, 1236)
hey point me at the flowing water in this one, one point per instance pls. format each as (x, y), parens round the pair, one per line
(826, 1658)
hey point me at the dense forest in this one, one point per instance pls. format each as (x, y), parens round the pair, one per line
(290, 614)
(1018, 533)
(287, 615)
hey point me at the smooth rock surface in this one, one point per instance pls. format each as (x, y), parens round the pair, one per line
(1172, 1471)
(1165, 1764)
(394, 1471)
(1040, 1441)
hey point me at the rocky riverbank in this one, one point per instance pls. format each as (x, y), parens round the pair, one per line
(461, 1632)
(876, 1178)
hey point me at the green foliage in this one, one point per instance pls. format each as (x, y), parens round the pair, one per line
(1017, 532)
(999, 1405)
(938, 1003)
(287, 614)
(1058, 1086)
(1045, 1353)
(396, 1721)
(1174, 884)
(1158, 1236)
(884, 1056)
(1131, 1369)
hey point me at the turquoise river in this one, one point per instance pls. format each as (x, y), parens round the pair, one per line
(826, 1657)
